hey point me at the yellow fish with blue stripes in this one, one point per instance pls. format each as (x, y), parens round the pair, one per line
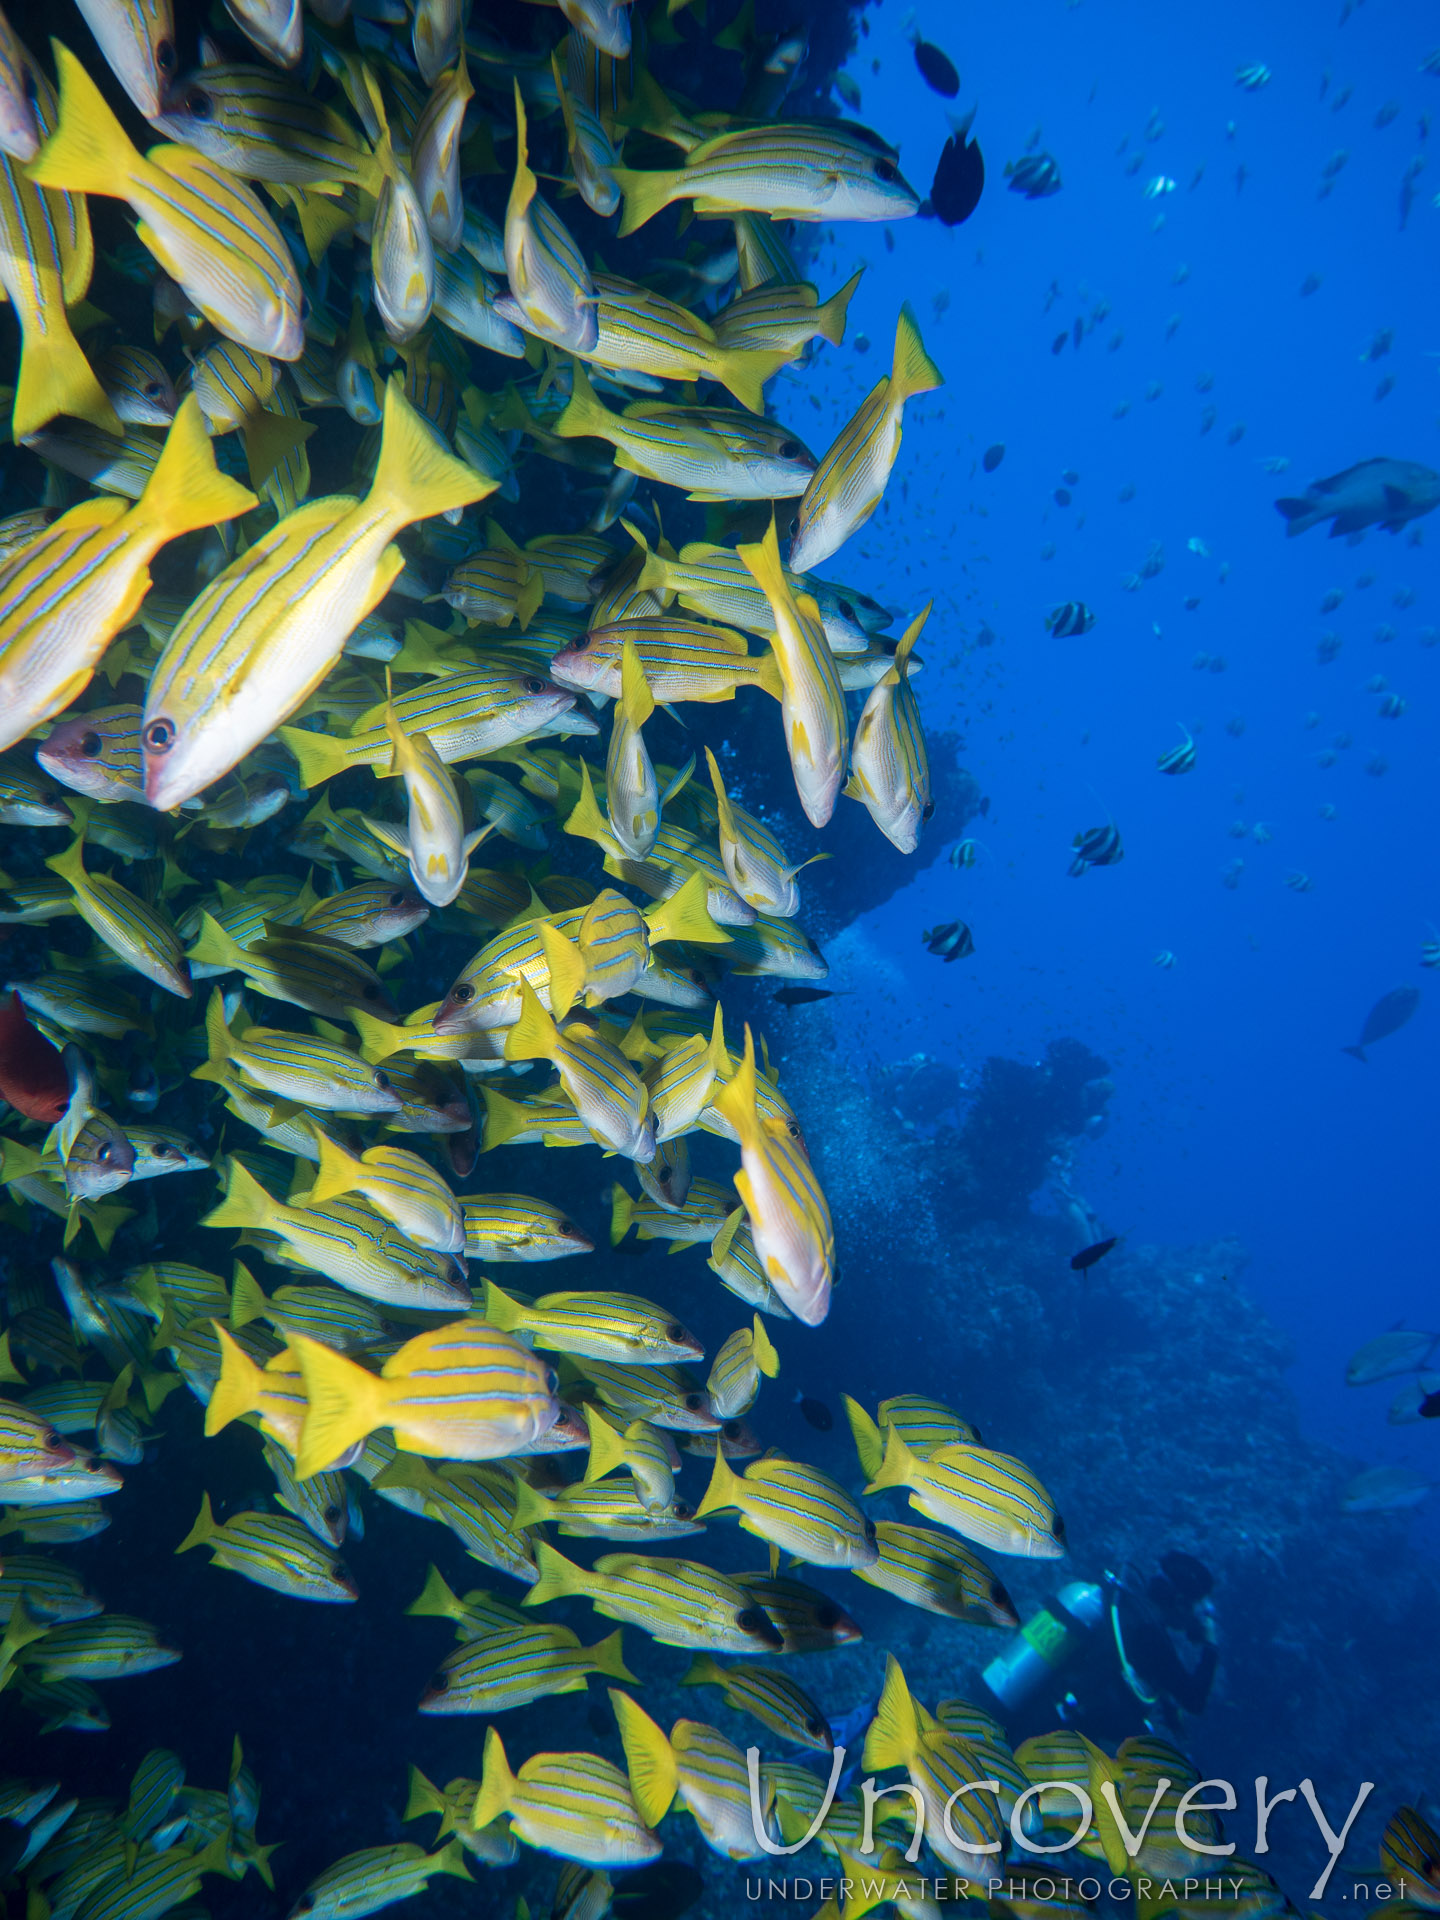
(69, 592)
(263, 634)
(205, 227)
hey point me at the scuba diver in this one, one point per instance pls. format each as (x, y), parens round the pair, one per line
(1104, 1657)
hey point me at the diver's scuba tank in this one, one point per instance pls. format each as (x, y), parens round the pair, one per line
(1046, 1643)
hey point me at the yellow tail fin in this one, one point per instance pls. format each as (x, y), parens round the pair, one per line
(649, 1757)
(416, 477)
(568, 970)
(345, 1405)
(204, 1529)
(637, 702)
(501, 1311)
(913, 371)
(321, 756)
(746, 373)
(246, 1203)
(897, 1464)
(379, 1038)
(238, 1389)
(425, 1798)
(559, 1577)
(735, 1101)
(609, 1657)
(436, 1600)
(587, 822)
(534, 1035)
(503, 1118)
(187, 490)
(763, 560)
(497, 1783)
(55, 377)
(247, 1298)
(584, 415)
(89, 151)
(531, 1508)
(607, 1449)
(721, 1491)
(907, 645)
(869, 1441)
(766, 1358)
(831, 313)
(337, 1172)
(622, 1214)
(646, 194)
(894, 1736)
(703, 1671)
(686, 916)
(214, 947)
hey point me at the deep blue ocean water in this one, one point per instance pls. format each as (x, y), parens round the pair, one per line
(1236, 1112)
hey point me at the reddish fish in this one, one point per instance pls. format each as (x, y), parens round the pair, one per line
(32, 1074)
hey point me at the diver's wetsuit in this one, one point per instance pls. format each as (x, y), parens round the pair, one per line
(1128, 1672)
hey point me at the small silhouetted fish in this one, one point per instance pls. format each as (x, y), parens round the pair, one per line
(816, 1412)
(1387, 1016)
(993, 456)
(953, 941)
(1430, 1407)
(1037, 176)
(937, 68)
(662, 1891)
(802, 996)
(959, 180)
(1089, 1256)
(1058, 343)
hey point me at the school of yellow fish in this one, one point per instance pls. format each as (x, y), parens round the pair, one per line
(347, 1312)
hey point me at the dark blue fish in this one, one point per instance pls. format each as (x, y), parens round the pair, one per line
(1074, 617)
(1090, 1256)
(993, 456)
(938, 69)
(1389, 1013)
(959, 180)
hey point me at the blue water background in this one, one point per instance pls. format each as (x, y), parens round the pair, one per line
(1236, 1111)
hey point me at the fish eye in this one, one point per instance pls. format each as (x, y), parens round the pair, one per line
(788, 449)
(199, 104)
(160, 736)
(753, 1620)
(152, 389)
(827, 1616)
(1057, 1529)
(730, 1430)
(440, 1682)
(682, 1510)
(332, 1514)
(306, 1903)
(869, 1529)
(50, 1440)
(462, 994)
(695, 1401)
(579, 646)
(103, 1152)
(565, 1226)
(372, 993)
(382, 1080)
(847, 609)
(304, 307)
(794, 1129)
(886, 170)
(165, 56)
(396, 899)
(927, 812)
(90, 745)
(674, 1331)
(532, 685)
